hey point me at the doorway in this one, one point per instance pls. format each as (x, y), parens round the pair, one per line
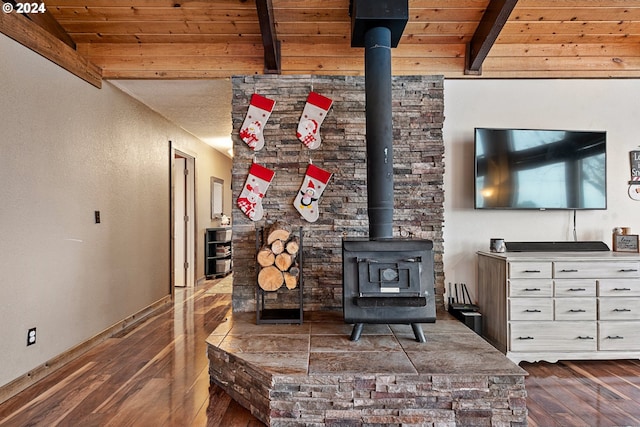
(183, 226)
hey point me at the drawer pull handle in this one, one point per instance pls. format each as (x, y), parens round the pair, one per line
(621, 309)
(532, 271)
(621, 289)
(525, 338)
(578, 311)
(615, 337)
(532, 289)
(577, 289)
(628, 270)
(568, 271)
(585, 338)
(529, 310)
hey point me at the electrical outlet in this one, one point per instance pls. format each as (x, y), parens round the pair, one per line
(96, 214)
(31, 336)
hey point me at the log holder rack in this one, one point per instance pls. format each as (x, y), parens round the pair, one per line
(266, 313)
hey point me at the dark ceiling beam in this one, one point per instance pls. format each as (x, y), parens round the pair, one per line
(486, 34)
(270, 40)
(45, 19)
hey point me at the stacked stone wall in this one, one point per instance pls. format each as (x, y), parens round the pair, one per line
(372, 400)
(418, 151)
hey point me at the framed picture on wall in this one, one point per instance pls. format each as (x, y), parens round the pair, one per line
(626, 243)
(217, 196)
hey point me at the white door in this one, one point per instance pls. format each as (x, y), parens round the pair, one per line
(180, 253)
(190, 223)
(184, 221)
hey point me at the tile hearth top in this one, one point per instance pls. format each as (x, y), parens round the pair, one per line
(321, 346)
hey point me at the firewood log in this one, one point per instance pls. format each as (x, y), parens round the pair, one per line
(284, 261)
(290, 280)
(277, 246)
(294, 270)
(278, 231)
(292, 245)
(270, 278)
(266, 257)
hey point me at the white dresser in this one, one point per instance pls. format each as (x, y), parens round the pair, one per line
(561, 305)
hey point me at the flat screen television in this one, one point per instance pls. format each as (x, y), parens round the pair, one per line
(540, 169)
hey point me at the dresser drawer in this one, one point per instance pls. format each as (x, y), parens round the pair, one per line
(531, 288)
(575, 288)
(553, 336)
(619, 309)
(529, 270)
(621, 336)
(575, 309)
(619, 288)
(595, 269)
(531, 309)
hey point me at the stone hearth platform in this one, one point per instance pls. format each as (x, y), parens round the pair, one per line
(313, 375)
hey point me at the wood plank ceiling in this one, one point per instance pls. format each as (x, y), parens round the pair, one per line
(184, 39)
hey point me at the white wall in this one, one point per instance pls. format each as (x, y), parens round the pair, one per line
(66, 150)
(610, 105)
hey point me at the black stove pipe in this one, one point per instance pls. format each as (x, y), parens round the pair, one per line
(377, 68)
(377, 25)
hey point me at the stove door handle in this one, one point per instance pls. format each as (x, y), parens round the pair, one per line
(377, 261)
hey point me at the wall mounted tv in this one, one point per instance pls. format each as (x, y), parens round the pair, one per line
(540, 169)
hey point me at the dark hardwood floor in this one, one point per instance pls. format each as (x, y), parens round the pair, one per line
(156, 374)
(585, 393)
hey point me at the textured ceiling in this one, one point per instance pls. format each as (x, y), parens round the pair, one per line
(201, 107)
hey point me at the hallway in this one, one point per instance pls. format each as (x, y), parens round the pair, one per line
(153, 374)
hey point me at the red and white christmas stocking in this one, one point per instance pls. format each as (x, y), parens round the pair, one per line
(313, 115)
(258, 113)
(314, 183)
(250, 199)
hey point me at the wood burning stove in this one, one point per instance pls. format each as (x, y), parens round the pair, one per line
(385, 280)
(388, 281)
